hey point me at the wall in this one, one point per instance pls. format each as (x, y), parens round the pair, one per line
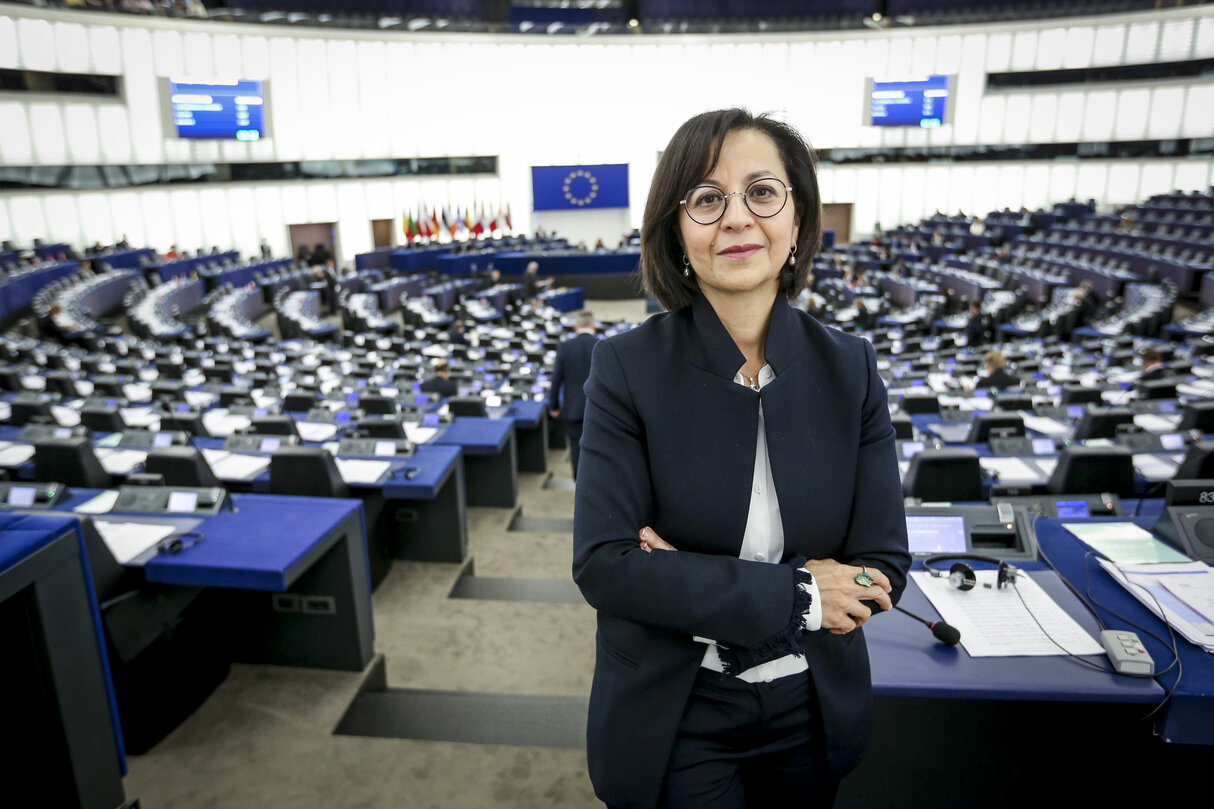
(542, 101)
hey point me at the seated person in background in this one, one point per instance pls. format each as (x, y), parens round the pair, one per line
(441, 383)
(1085, 301)
(997, 375)
(975, 327)
(1152, 365)
(864, 318)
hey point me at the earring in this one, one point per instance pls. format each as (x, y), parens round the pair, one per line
(686, 267)
(792, 256)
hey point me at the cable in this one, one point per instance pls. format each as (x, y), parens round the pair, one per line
(176, 543)
(1147, 494)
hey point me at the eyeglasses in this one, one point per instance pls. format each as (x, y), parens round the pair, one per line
(766, 197)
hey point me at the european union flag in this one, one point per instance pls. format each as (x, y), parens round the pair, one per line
(573, 188)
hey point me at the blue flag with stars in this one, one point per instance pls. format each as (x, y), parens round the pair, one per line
(573, 188)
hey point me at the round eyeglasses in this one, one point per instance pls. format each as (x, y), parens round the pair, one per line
(705, 204)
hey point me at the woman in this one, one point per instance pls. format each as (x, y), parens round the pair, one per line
(726, 443)
(997, 375)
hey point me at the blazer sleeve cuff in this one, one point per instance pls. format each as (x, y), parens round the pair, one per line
(806, 615)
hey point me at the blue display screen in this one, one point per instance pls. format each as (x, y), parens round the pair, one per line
(918, 102)
(222, 111)
(1072, 509)
(932, 534)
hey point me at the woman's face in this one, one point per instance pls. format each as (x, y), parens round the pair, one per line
(741, 253)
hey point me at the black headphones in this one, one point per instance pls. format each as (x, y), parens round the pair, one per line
(962, 576)
(179, 542)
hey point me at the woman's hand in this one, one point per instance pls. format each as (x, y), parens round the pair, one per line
(650, 541)
(843, 600)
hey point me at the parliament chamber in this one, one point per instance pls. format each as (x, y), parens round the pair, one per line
(284, 517)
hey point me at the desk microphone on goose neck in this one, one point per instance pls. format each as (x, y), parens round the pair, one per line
(945, 633)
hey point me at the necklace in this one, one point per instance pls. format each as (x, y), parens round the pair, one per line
(752, 382)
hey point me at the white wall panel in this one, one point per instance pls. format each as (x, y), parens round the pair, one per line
(374, 99)
(960, 189)
(62, 218)
(1024, 50)
(935, 190)
(1043, 118)
(286, 128)
(199, 58)
(16, 147)
(888, 194)
(876, 56)
(142, 96)
(271, 219)
(295, 205)
(1156, 178)
(1132, 108)
(1110, 45)
(379, 200)
(343, 118)
(1123, 183)
(46, 126)
(948, 55)
(967, 98)
(28, 220)
(1192, 175)
(1016, 119)
(1036, 186)
(1051, 49)
(1092, 181)
(255, 58)
(1071, 107)
(914, 194)
(314, 91)
(901, 54)
(1062, 181)
(1167, 106)
(168, 49)
(866, 206)
(83, 139)
(96, 224)
(215, 220)
(106, 48)
(986, 191)
(990, 129)
(1198, 112)
(1176, 40)
(186, 219)
(1142, 43)
(998, 53)
(845, 185)
(226, 56)
(1099, 113)
(1078, 49)
(242, 212)
(923, 55)
(127, 217)
(9, 56)
(158, 221)
(1203, 45)
(36, 44)
(1011, 188)
(6, 224)
(322, 202)
(72, 48)
(354, 228)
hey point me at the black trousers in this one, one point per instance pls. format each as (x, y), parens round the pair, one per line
(748, 746)
(573, 434)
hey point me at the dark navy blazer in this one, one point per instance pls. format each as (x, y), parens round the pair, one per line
(669, 442)
(570, 371)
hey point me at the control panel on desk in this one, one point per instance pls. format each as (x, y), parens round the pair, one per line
(171, 500)
(31, 495)
(381, 447)
(258, 442)
(147, 439)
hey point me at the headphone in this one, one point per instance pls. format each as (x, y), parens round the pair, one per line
(179, 542)
(962, 576)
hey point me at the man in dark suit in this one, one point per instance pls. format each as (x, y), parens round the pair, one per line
(441, 383)
(570, 373)
(1152, 365)
(975, 327)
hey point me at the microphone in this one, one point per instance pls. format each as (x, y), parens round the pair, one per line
(945, 633)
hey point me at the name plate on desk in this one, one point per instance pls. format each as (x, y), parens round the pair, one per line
(381, 447)
(258, 442)
(171, 499)
(33, 433)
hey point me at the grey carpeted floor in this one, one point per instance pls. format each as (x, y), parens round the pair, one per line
(265, 738)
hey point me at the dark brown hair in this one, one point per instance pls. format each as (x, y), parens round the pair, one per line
(689, 157)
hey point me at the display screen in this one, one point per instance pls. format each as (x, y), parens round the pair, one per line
(162, 440)
(385, 447)
(1072, 509)
(1172, 441)
(218, 111)
(936, 534)
(909, 448)
(21, 496)
(270, 444)
(919, 102)
(183, 501)
(1043, 446)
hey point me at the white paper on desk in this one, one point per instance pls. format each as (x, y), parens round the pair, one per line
(1011, 470)
(996, 623)
(221, 425)
(1147, 583)
(1046, 465)
(137, 393)
(235, 466)
(120, 461)
(6, 410)
(1154, 467)
(1194, 391)
(365, 472)
(84, 387)
(16, 454)
(99, 504)
(1124, 543)
(1196, 591)
(140, 417)
(127, 540)
(199, 398)
(1046, 426)
(65, 416)
(419, 435)
(1155, 423)
(316, 430)
(31, 382)
(983, 403)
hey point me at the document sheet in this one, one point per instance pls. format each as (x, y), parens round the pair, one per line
(1124, 542)
(128, 540)
(365, 472)
(235, 466)
(1017, 621)
(15, 454)
(1180, 594)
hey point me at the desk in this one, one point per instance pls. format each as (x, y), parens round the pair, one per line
(956, 731)
(65, 748)
(531, 434)
(490, 458)
(430, 510)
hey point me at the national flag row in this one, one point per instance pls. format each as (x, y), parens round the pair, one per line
(430, 223)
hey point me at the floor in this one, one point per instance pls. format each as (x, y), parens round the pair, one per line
(265, 737)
